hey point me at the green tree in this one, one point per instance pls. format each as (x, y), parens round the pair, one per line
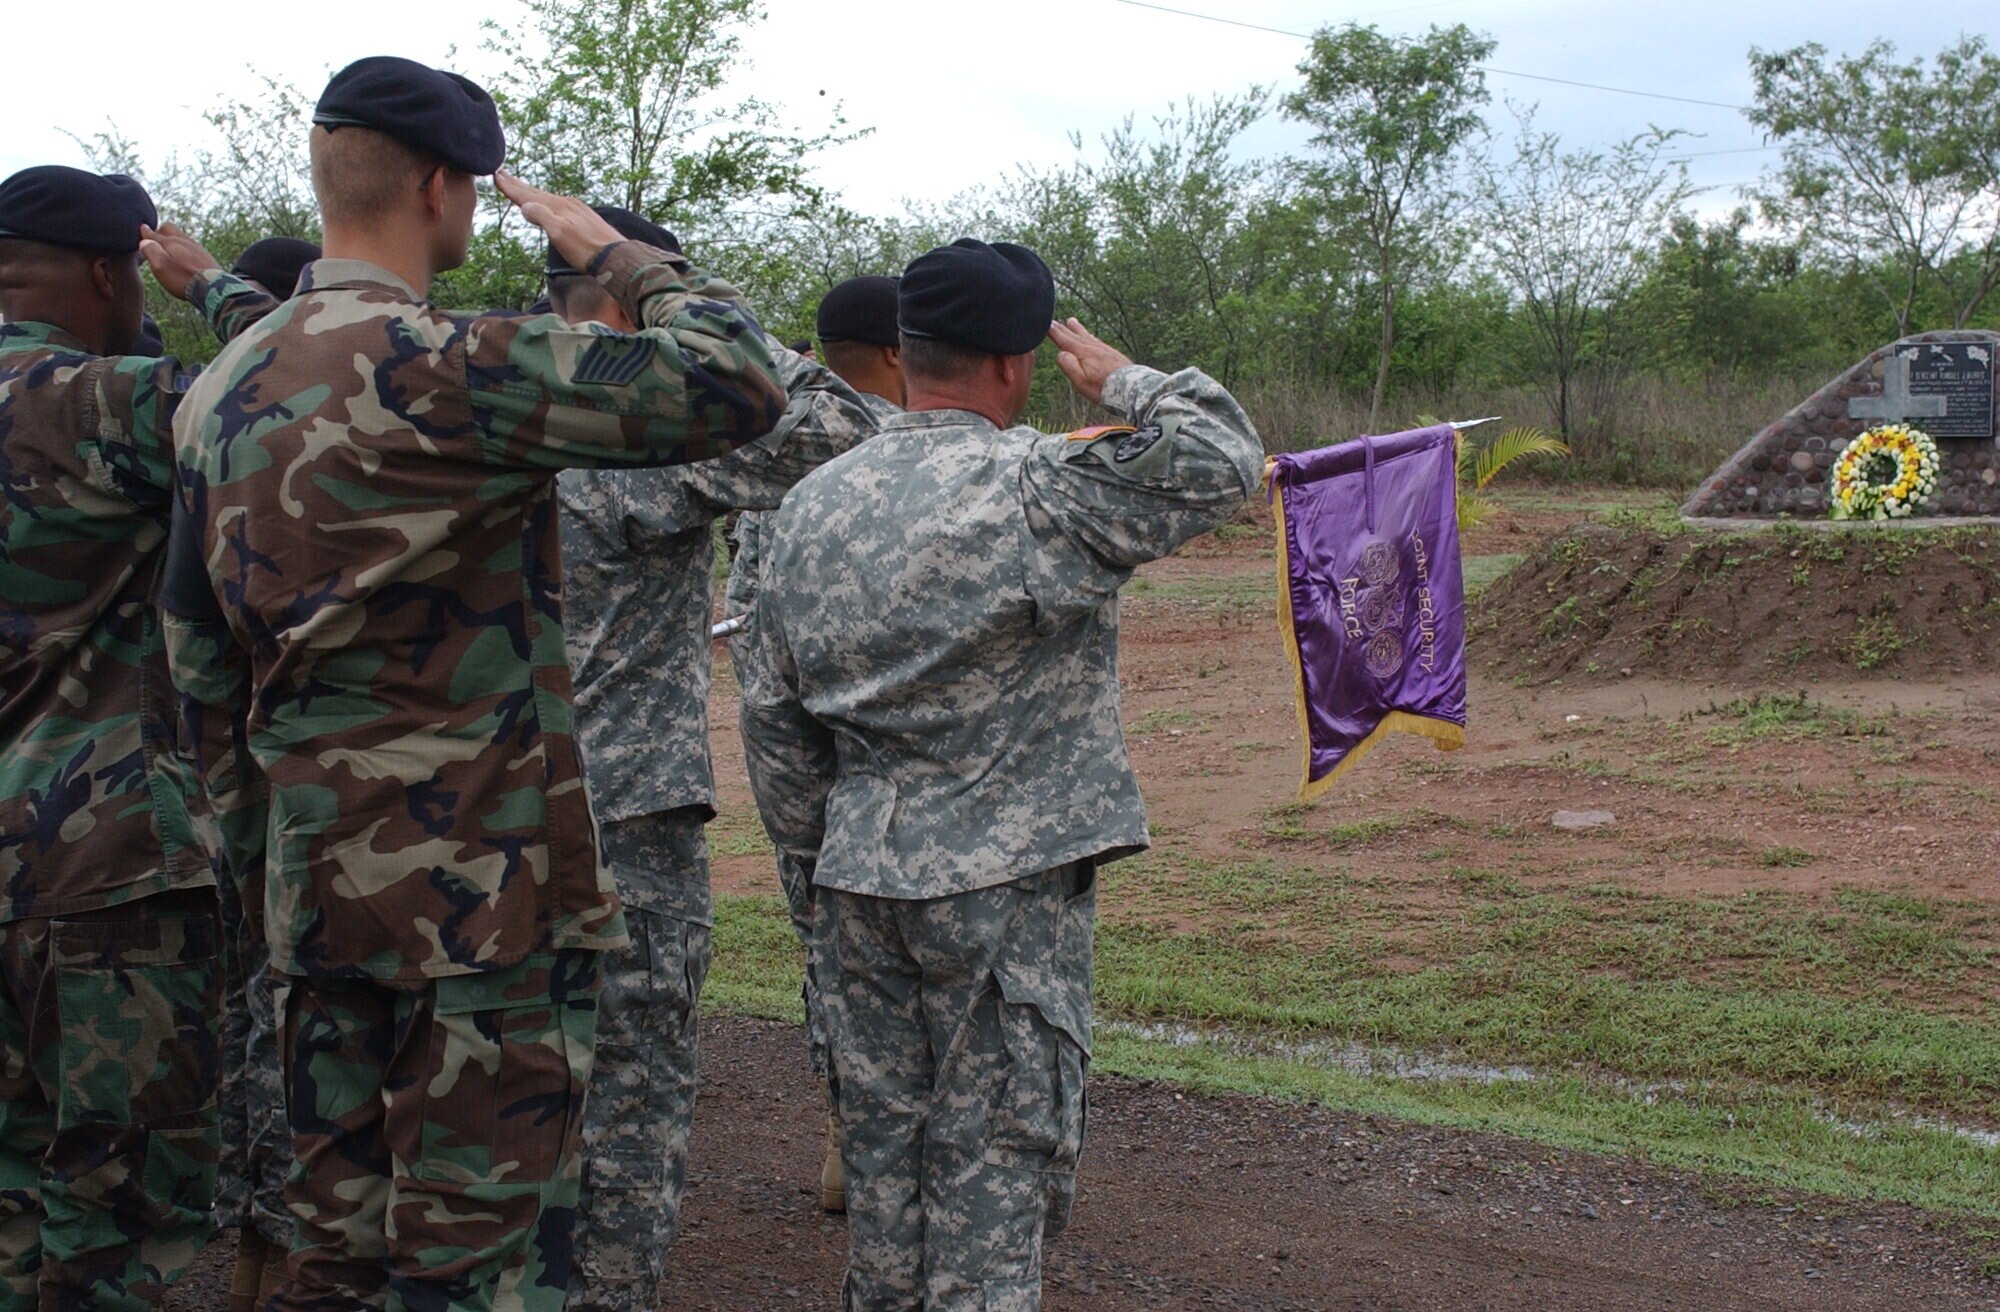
(1147, 239)
(626, 101)
(1389, 118)
(257, 184)
(1892, 167)
(1569, 231)
(1715, 299)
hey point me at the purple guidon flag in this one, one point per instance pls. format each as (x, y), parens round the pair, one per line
(1371, 594)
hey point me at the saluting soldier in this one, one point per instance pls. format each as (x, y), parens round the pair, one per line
(638, 570)
(373, 479)
(856, 323)
(939, 609)
(110, 966)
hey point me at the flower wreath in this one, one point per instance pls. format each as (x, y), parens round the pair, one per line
(1886, 473)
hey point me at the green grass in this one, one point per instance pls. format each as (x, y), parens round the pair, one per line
(738, 833)
(1784, 858)
(1531, 498)
(1791, 719)
(1228, 598)
(1482, 570)
(1768, 1137)
(1161, 720)
(1711, 1032)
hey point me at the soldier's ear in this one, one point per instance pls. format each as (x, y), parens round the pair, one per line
(432, 188)
(104, 277)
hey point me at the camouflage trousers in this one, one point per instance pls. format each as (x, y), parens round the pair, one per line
(435, 1131)
(256, 1142)
(752, 672)
(796, 880)
(108, 1133)
(635, 1126)
(960, 1031)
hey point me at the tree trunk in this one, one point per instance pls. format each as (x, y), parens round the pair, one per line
(1388, 346)
(1562, 403)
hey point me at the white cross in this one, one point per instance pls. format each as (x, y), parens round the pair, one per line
(1896, 402)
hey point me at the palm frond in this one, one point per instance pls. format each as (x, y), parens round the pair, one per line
(1514, 444)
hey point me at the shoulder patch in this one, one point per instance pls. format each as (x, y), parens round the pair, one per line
(1102, 430)
(1138, 442)
(614, 361)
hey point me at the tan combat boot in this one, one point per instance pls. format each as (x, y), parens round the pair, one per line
(832, 1176)
(251, 1255)
(276, 1270)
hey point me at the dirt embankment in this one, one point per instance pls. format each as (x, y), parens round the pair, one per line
(1617, 599)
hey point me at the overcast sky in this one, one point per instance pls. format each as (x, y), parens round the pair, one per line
(957, 94)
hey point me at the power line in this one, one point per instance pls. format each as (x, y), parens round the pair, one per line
(1711, 154)
(1484, 68)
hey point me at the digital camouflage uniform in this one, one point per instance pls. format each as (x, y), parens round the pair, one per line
(940, 612)
(109, 948)
(212, 683)
(374, 483)
(638, 570)
(753, 679)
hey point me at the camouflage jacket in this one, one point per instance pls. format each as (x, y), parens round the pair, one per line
(93, 810)
(373, 479)
(939, 608)
(753, 528)
(638, 569)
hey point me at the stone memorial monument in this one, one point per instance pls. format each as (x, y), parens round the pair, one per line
(1943, 383)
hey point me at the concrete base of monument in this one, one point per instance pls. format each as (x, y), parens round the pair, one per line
(1750, 524)
(1755, 602)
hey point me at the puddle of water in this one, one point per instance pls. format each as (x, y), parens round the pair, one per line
(1351, 1058)
(1904, 1120)
(1422, 1067)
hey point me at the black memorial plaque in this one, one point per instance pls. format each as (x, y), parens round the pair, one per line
(1961, 373)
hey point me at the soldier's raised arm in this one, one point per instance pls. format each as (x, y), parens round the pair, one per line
(823, 418)
(1109, 499)
(695, 377)
(128, 399)
(228, 301)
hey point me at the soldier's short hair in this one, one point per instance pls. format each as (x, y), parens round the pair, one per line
(359, 174)
(577, 296)
(929, 357)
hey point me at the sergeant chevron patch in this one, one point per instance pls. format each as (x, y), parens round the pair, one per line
(614, 361)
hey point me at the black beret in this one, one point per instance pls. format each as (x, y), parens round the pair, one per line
(149, 342)
(68, 207)
(630, 226)
(860, 310)
(275, 263)
(999, 298)
(448, 117)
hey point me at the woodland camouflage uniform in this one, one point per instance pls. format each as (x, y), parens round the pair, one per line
(373, 479)
(638, 563)
(939, 610)
(110, 963)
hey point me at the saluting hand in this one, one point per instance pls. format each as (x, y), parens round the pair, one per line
(174, 257)
(1086, 360)
(574, 229)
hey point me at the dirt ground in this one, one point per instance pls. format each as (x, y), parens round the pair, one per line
(1197, 1202)
(1904, 765)
(1253, 1205)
